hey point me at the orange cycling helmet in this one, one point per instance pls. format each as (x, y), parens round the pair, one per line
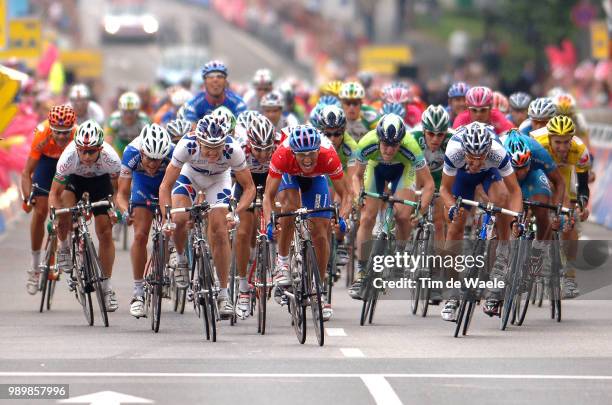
(62, 116)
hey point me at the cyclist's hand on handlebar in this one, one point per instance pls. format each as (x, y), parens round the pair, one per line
(340, 226)
(272, 231)
(517, 228)
(168, 228)
(27, 208)
(455, 213)
(232, 221)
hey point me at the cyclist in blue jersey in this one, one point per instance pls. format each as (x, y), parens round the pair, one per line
(142, 169)
(216, 94)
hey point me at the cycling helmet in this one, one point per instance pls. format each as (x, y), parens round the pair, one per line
(224, 117)
(79, 91)
(435, 119)
(261, 132)
(129, 101)
(262, 77)
(180, 97)
(332, 117)
(209, 132)
(458, 89)
(178, 128)
(304, 138)
(555, 91)
(566, 104)
(352, 91)
(518, 149)
(214, 66)
(396, 94)
(561, 125)
(542, 108)
(500, 102)
(519, 100)
(331, 88)
(61, 116)
(244, 118)
(394, 108)
(89, 135)
(272, 100)
(156, 142)
(329, 100)
(391, 129)
(315, 116)
(479, 96)
(478, 138)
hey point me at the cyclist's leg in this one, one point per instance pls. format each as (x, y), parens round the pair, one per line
(289, 197)
(183, 195)
(536, 187)
(404, 189)
(43, 177)
(142, 218)
(497, 192)
(375, 179)
(439, 219)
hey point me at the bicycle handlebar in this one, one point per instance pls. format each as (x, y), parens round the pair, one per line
(390, 199)
(487, 207)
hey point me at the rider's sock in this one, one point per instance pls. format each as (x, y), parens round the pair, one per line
(181, 257)
(64, 244)
(35, 259)
(106, 285)
(139, 288)
(223, 293)
(283, 259)
(243, 286)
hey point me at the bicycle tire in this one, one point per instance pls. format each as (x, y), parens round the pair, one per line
(460, 316)
(233, 289)
(524, 306)
(469, 315)
(414, 275)
(158, 282)
(331, 267)
(313, 282)
(350, 266)
(261, 288)
(50, 293)
(368, 290)
(298, 308)
(373, 306)
(555, 282)
(209, 298)
(95, 277)
(516, 275)
(44, 279)
(82, 292)
(425, 290)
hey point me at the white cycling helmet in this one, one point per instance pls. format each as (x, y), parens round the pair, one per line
(79, 91)
(156, 142)
(261, 132)
(178, 128)
(209, 132)
(180, 97)
(89, 135)
(262, 77)
(477, 138)
(129, 101)
(273, 99)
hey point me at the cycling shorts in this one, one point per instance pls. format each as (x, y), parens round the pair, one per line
(99, 188)
(465, 183)
(216, 187)
(314, 192)
(144, 189)
(400, 177)
(43, 174)
(258, 178)
(535, 183)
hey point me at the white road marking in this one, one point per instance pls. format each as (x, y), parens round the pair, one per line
(352, 352)
(304, 375)
(335, 332)
(381, 390)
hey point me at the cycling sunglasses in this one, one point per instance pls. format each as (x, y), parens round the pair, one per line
(351, 102)
(262, 149)
(215, 76)
(92, 151)
(334, 134)
(305, 155)
(61, 131)
(479, 110)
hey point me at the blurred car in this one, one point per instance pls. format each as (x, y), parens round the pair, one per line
(129, 20)
(181, 63)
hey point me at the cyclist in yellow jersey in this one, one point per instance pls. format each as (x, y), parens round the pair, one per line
(570, 154)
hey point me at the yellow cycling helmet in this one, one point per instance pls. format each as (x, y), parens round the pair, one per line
(330, 88)
(566, 104)
(561, 125)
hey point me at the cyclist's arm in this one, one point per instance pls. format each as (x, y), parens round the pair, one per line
(583, 185)
(514, 191)
(165, 189)
(446, 190)
(342, 188)
(244, 178)
(26, 176)
(558, 185)
(270, 192)
(424, 179)
(123, 194)
(55, 194)
(358, 177)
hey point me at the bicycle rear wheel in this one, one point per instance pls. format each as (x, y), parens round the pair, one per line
(313, 283)
(95, 277)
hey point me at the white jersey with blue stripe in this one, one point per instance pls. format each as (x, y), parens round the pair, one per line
(497, 158)
(188, 152)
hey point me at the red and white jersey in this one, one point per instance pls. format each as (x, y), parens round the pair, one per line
(328, 162)
(254, 165)
(497, 119)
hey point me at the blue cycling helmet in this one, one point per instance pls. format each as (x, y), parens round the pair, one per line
(518, 149)
(394, 108)
(391, 129)
(458, 89)
(214, 66)
(329, 100)
(304, 138)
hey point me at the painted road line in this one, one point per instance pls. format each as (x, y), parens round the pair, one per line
(381, 390)
(335, 332)
(352, 352)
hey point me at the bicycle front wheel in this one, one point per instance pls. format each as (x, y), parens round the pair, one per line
(313, 283)
(82, 288)
(95, 277)
(261, 284)
(159, 264)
